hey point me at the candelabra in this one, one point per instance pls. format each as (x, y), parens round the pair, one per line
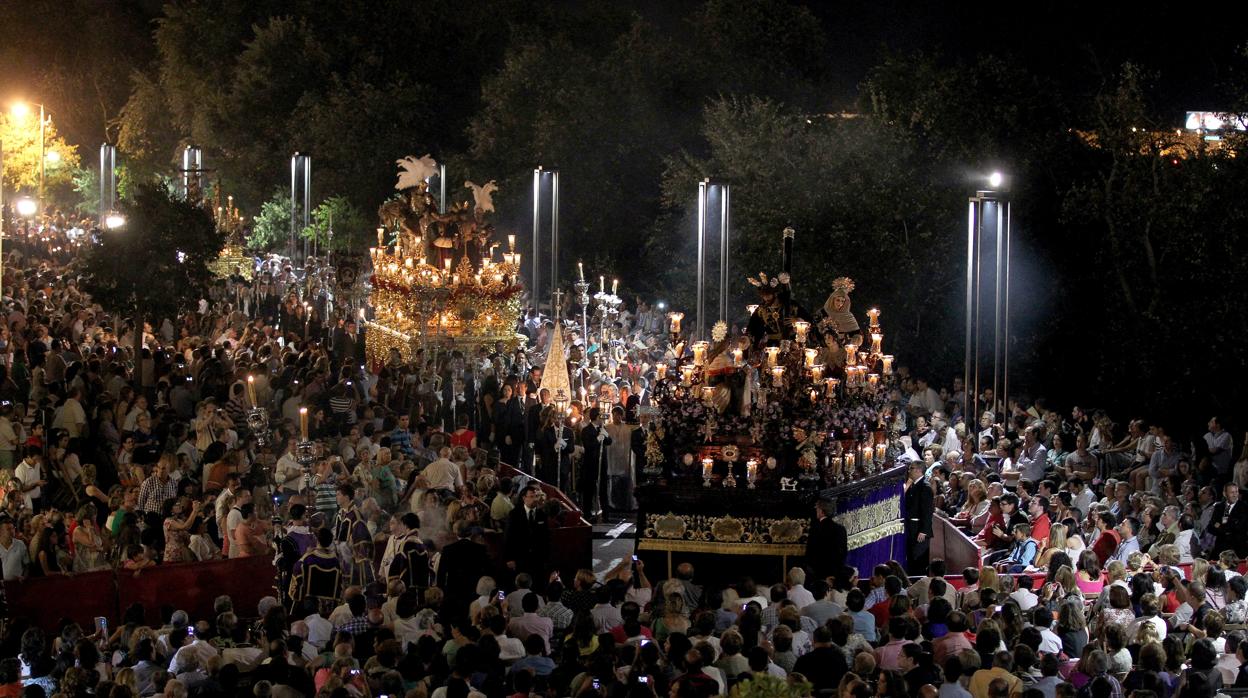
(582, 296)
(258, 424)
(305, 456)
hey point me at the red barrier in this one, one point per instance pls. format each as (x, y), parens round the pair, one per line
(193, 586)
(190, 586)
(44, 601)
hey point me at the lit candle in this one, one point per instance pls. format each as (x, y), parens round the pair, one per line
(602, 284)
(874, 315)
(831, 383)
(409, 262)
(372, 251)
(446, 263)
(707, 464)
(580, 268)
(615, 286)
(737, 356)
(838, 464)
(777, 375)
(862, 358)
(811, 355)
(662, 371)
(511, 242)
(876, 338)
(772, 354)
(515, 257)
(866, 455)
(686, 374)
(749, 309)
(381, 237)
(303, 423)
(801, 327)
(873, 379)
(849, 460)
(251, 390)
(888, 364)
(816, 374)
(699, 353)
(880, 451)
(751, 469)
(851, 354)
(814, 395)
(675, 319)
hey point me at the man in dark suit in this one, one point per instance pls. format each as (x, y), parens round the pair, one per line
(918, 512)
(828, 542)
(638, 439)
(594, 440)
(1229, 523)
(510, 431)
(533, 426)
(462, 563)
(526, 547)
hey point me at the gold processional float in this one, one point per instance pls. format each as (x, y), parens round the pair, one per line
(438, 280)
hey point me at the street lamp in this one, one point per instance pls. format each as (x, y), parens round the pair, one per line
(114, 221)
(987, 291)
(20, 110)
(26, 207)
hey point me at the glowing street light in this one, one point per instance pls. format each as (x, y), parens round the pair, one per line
(26, 207)
(114, 221)
(995, 180)
(53, 157)
(20, 110)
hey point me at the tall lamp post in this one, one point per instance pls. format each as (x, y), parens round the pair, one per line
(987, 283)
(21, 109)
(539, 174)
(712, 194)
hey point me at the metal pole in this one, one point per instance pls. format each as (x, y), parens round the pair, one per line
(701, 303)
(1005, 352)
(536, 264)
(554, 232)
(996, 304)
(42, 156)
(724, 193)
(307, 195)
(294, 185)
(970, 375)
(442, 186)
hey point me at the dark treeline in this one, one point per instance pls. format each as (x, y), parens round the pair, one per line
(1129, 235)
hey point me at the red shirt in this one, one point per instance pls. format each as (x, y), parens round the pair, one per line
(1106, 544)
(1040, 529)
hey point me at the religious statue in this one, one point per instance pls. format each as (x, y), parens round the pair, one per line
(835, 316)
(773, 319)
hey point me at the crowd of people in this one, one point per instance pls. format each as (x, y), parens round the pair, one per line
(1110, 567)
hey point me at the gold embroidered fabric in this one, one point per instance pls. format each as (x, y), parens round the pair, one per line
(872, 522)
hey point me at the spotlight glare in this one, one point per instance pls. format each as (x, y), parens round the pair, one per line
(995, 179)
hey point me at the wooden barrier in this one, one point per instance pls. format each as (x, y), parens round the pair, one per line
(190, 586)
(953, 546)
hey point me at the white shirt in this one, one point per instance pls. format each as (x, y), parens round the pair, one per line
(13, 559)
(199, 648)
(319, 630)
(1050, 643)
(29, 474)
(1025, 598)
(800, 596)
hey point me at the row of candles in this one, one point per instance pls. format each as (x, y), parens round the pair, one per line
(865, 456)
(801, 328)
(602, 283)
(419, 269)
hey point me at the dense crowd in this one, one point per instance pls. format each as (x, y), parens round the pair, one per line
(1111, 554)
